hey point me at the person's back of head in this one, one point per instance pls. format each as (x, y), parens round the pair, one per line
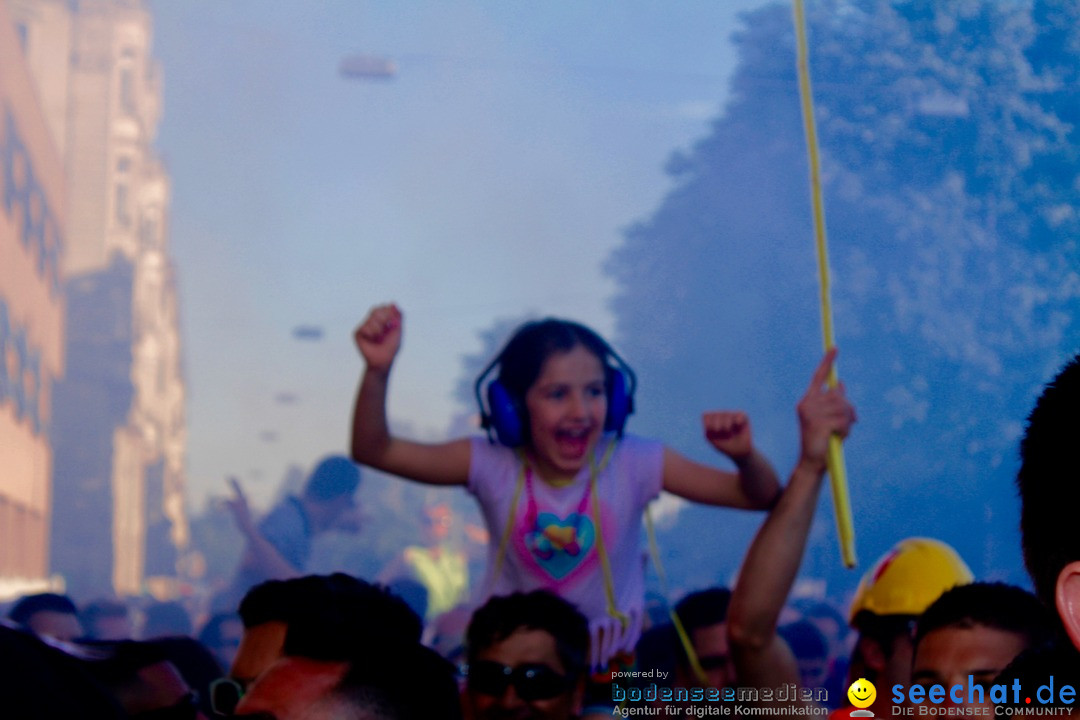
(266, 612)
(339, 620)
(48, 614)
(337, 612)
(106, 619)
(501, 616)
(273, 600)
(1049, 490)
(333, 477)
(320, 617)
(335, 597)
(27, 606)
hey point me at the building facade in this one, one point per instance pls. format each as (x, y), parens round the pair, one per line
(120, 435)
(31, 319)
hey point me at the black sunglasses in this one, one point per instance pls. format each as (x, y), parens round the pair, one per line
(531, 681)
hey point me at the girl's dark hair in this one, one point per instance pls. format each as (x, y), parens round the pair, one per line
(534, 342)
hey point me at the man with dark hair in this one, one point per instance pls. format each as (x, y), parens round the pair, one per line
(527, 657)
(991, 605)
(703, 615)
(278, 546)
(317, 616)
(1048, 500)
(48, 615)
(329, 647)
(1050, 495)
(265, 613)
(976, 630)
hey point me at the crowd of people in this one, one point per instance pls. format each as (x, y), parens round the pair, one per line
(561, 626)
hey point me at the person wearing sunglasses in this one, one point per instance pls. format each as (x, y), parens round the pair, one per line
(526, 659)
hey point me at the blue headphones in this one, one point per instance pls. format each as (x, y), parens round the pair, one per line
(505, 413)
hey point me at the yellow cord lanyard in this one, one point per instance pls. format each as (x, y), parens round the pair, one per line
(680, 630)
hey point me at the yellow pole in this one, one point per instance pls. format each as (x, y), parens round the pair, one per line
(837, 474)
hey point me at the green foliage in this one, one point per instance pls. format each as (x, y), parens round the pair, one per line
(948, 138)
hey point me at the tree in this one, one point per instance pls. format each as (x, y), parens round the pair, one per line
(953, 285)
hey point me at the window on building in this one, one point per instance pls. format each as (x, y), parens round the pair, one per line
(127, 91)
(122, 211)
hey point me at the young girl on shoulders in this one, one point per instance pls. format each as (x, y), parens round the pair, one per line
(564, 490)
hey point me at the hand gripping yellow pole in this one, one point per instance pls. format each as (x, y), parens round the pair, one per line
(837, 473)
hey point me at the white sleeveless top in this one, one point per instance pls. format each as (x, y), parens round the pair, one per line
(552, 542)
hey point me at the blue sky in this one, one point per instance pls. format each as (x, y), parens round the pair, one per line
(489, 179)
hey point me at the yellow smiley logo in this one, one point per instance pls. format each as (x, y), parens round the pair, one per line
(862, 693)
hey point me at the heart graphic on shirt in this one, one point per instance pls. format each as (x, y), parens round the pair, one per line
(559, 546)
